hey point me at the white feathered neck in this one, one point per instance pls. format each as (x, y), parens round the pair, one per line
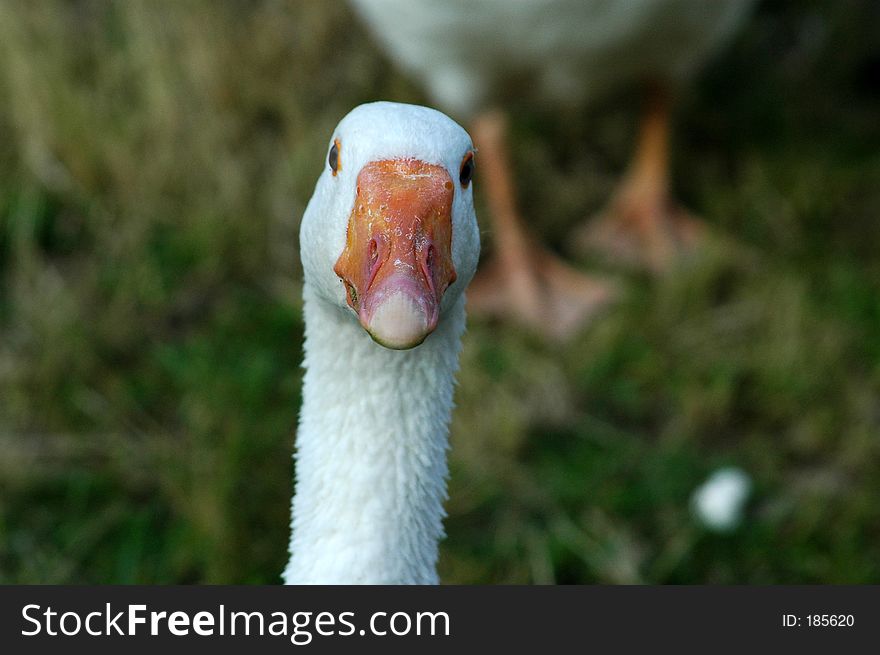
(371, 453)
(373, 431)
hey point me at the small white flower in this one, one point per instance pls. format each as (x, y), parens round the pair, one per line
(719, 501)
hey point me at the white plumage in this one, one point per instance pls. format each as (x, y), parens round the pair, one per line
(469, 54)
(373, 432)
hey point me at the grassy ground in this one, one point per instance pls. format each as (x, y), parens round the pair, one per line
(155, 161)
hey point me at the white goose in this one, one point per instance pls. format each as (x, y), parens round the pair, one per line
(474, 57)
(388, 241)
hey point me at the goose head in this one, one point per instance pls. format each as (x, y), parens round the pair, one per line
(390, 235)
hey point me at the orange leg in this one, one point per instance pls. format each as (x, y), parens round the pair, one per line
(642, 226)
(524, 281)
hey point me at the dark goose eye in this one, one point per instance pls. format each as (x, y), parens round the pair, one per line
(333, 157)
(467, 170)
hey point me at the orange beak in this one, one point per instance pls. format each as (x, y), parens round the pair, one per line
(397, 261)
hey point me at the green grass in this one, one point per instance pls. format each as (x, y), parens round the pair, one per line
(155, 162)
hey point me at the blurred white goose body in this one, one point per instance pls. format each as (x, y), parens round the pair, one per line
(468, 53)
(389, 240)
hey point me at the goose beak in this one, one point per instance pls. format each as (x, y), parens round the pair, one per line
(397, 261)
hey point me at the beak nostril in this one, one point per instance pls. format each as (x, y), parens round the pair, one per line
(373, 264)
